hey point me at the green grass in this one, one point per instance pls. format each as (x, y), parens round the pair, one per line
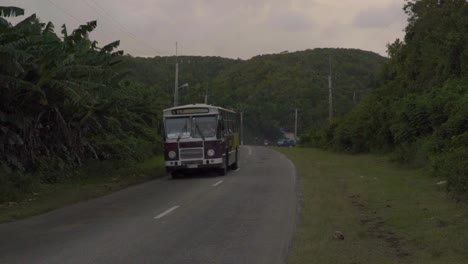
(90, 181)
(386, 213)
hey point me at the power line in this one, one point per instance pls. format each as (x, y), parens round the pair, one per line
(131, 36)
(64, 11)
(110, 25)
(122, 27)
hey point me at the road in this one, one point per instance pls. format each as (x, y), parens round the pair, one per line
(247, 216)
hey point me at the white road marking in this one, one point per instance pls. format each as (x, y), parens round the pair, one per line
(218, 183)
(250, 150)
(161, 215)
(238, 169)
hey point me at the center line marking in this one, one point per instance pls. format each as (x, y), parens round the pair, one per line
(161, 215)
(218, 183)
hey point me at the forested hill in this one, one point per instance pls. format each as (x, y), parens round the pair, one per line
(268, 88)
(159, 71)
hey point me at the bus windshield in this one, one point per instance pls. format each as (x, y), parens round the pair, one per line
(204, 126)
(196, 127)
(177, 127)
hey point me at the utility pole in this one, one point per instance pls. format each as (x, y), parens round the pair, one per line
(176, 86)
(242, 128)
(206, 96)
(295, 127)
(330, 93)
(354, 97)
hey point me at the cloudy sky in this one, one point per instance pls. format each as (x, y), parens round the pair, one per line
(229, 28)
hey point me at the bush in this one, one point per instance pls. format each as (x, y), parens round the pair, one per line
(13, 185)
(316, 139)
(415, 154)
(453, 165)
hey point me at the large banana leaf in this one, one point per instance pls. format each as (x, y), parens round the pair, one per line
(11, 11)
(110, 47)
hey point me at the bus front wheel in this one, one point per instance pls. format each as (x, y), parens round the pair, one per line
(235, 165)
(223, 170)
(175, 174)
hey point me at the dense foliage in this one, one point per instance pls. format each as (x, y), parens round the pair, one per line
(63, 102)
(159, 71)
(420, 111)
(268, 88)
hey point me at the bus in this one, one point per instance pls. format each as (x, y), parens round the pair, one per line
(198, 136)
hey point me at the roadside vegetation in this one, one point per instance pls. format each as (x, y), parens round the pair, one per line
(365, 209)
(64, 103)
(419, 110)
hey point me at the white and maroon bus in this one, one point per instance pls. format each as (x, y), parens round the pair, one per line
(200, 136)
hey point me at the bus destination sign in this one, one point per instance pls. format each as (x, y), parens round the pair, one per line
(187, 111)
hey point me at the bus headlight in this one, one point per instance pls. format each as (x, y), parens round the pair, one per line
(172, 154)
(210, 152)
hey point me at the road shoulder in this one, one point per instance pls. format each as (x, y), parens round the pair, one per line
(100, 179)
(364, 209)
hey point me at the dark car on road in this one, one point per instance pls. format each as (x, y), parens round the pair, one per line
(285, 143)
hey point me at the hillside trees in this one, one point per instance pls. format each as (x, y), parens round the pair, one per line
(267, 88)
(270, 87)
(420, 109)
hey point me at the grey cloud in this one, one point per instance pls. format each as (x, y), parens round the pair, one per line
(232, 28)
(291, 20)
(379, 17)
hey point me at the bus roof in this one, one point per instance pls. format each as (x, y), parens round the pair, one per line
(198, 106)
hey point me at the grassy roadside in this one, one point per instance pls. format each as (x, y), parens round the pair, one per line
(386, 214)
(95, 179)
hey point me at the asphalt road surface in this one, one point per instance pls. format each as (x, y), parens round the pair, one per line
(247, 216)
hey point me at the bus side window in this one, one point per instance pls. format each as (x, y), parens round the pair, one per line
(235, 124)
(220, 128)
(225, 126)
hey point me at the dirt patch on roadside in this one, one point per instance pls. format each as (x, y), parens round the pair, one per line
(375, 226)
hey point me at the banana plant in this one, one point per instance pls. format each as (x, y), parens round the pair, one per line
(61, 97)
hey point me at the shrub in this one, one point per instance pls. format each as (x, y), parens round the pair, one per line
(453, 165)
(13, 185)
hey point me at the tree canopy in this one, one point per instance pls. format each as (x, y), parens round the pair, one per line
(268, 88)
(419, 110)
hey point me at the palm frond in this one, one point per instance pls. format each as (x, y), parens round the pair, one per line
(9, 64)
(4, 23)
(68, 89)
(64, 31)
(118, 53)
(9, 82)
(17, 44)
(26, 22)
(11, 11)
(49, 29)
(83, 31)
(110, 47)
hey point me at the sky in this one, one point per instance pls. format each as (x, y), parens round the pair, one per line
(228, 28)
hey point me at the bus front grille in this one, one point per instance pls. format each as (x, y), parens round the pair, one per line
(191, 153)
